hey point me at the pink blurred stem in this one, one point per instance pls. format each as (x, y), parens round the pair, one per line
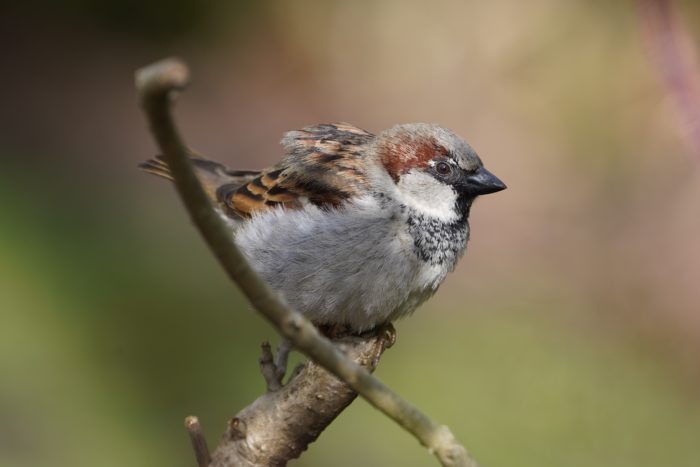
(673, 55)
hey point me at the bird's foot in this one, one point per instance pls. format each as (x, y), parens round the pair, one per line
(386, 334)
(274, 368)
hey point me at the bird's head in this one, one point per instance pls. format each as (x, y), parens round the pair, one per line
(435, 171)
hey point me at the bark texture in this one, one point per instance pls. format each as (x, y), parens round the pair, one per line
(279, 425)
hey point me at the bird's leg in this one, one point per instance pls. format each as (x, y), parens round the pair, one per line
(268, 368)
(281, 360)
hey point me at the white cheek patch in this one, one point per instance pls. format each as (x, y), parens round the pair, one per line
(425, 194)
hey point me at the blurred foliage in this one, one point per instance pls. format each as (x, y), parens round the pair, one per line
(153, 20)
(568, 336)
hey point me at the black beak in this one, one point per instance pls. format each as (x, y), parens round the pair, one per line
(482, 182)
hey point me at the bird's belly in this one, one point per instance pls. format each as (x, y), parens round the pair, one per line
(360, 271)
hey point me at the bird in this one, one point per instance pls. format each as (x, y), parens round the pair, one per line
(352, 229)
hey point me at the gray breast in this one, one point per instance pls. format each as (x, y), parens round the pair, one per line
(354, 266)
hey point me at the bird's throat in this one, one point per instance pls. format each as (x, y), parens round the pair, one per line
(437, 242)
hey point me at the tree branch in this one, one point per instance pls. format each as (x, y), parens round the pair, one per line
(156, 85)
(280, 424)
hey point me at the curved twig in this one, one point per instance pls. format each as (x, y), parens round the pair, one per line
(156, 85)
(199, 444)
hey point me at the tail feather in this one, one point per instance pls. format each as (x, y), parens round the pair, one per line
(157, 166)
(212, 175)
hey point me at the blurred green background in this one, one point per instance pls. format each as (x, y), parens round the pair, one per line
(569, 334)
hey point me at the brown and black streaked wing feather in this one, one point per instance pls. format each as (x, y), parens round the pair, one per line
(216, 179)
(323, 165)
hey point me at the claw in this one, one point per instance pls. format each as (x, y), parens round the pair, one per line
(389, 335)
(386, 337)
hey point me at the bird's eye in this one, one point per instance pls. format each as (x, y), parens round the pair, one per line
(443, 168)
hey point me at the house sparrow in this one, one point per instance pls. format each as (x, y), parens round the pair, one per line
(352, 229)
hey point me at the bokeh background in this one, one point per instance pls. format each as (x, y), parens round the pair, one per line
(569, 335)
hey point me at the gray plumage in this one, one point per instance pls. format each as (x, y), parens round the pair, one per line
(357, 265)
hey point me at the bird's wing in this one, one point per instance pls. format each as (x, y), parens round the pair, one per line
(216, 179)
(324, 165)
